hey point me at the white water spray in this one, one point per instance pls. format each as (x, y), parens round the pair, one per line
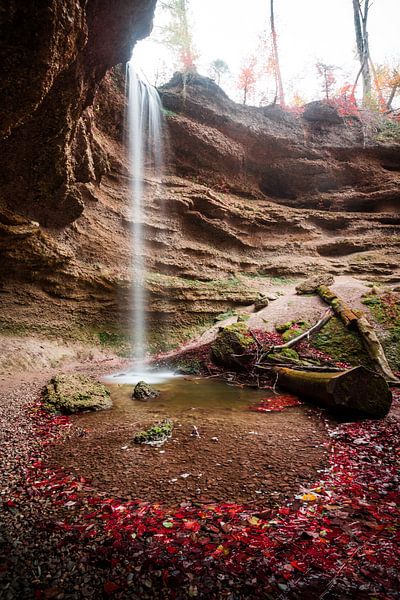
(146, 157)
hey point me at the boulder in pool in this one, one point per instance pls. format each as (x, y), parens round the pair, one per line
(75, 393)
(144, 391)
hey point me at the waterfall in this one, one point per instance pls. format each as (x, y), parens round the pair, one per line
(145, 157)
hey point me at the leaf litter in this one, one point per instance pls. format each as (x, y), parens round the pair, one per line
(337, 539)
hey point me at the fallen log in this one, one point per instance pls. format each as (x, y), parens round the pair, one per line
(326, 368)
(356, 392)
(345, 313)
(374, 348)
(358, 322)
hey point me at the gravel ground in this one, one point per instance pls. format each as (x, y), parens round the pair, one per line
(32, 556)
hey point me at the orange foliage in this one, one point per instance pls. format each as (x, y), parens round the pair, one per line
(248, 77)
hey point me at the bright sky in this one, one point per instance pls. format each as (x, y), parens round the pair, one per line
(309, 31)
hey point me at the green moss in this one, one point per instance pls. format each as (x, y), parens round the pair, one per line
(376, 306)
(289, 353)
(341, 344)
(111, 338)
(385, 310)
(281, 280)
(225, 315)
(292, 329)
(281, 327)
(188, 366)
(241, 331)
(168, 113)
(169, 336)
(156, 434)
(286, 353)
(243, 318)
(389, 132)
(183, 282)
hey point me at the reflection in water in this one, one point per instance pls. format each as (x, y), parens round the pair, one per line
(181, 395)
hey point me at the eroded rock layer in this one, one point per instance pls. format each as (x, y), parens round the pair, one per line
(247, 193)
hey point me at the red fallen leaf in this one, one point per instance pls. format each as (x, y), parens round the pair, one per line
(110, 587)
(287, 574)
(299, 566)
(192, 525)
(276, 404)
(284, 510)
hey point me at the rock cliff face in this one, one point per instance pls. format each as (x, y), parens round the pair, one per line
(316, 160)
(53, 54)
(248, 194)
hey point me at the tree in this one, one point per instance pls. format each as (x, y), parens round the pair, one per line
(328, 78)
(218, 68)
(266, 72)
(177, 35)
(360, 10)
(275, 57)
(248, 78)
(160, 72)
(388, 79)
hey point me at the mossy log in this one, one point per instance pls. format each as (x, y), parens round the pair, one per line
(356, 392)
(348, 316)
(358, 322)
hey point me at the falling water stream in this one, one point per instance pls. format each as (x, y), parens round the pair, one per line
(145, 157)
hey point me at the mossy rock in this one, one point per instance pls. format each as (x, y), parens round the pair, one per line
(261, 302)
(341, 344)
(189, 367)
(391, 345)
(155, 435)
(282, 327)
(291, 329)
(231, 347)
(310, 285)
(385, 310)
(75, 393)
(225, 315)
(144, 391)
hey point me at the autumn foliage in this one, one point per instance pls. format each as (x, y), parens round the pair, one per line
(248, 78)
(339, 534)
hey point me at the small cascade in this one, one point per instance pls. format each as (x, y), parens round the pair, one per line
(146, 157)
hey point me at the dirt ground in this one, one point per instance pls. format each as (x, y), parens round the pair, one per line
(241, 456)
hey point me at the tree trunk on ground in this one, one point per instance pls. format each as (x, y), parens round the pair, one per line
(358, 322)
(345, 313)
(357, 392)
